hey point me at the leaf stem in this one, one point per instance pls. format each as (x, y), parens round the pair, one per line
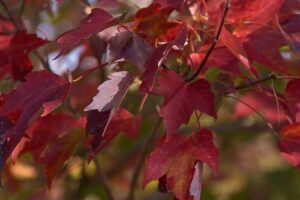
(141, 160)
(216, 39)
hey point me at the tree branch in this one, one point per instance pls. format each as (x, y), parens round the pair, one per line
(140, 163)
(103, 180)
(270, 77)
(227, 4)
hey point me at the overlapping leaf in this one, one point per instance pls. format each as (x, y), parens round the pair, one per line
(181, 99)
(51, 141)
(152, 21)
(15, 57)
(289, 144)
(157, 57)
(95, 22)
(41, 89)
(176, 159)
(104, 105)
(130, 46)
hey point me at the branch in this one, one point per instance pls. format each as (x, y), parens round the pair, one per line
(269, 124)
(9, 15)
(103, 180)
(140, 163)
(19, 27)
(270, 77)
(227, 4)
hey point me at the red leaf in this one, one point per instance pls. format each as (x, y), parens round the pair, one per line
(289, 144)
(152, 21)
(263, 47)
(5, 27)
(176, 158)
(157, 57)
(15, 57)
(51, 141)
(104, 105)
(176, 4)
(129, 46)
(292, 94)
(181, 99)
(251, 15)
(95, 22)
(236, 48)
(41, 89)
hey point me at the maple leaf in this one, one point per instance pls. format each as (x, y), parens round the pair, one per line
(289, 144)
(104, 105)
(95, 22)
(292, 95)
(5, 27)
(236, 48)
(51, 141)
(251, 15)
(263, 47)
(129, 46)
(176, 158)
(41, 89)
(16, 58)
(181, 99)
(157, 57)
(152, 21)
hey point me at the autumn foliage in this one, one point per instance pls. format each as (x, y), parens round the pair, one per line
(178, 62)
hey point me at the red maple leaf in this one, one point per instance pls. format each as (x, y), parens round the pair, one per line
(176, 158)
(181, 99)
(289, 144)
(95, 22)
(41, 89)
(51, 141)
(15, 57)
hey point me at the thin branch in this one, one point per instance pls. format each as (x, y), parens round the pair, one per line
(22, 7)
(227, 4)
(270, 77)
(89, 71)
(104, 182)
(140, 163)
(256, 111)
(9, 15)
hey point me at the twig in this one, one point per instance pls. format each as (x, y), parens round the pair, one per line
(9, 15)
(140, 163)
(227, 4)
(256, 111)
(103, 180)
(21, 8)
(87, 72)
(270, 77)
